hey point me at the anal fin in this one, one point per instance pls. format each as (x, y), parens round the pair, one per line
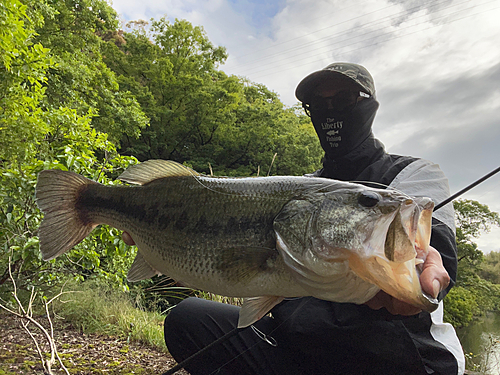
(140, 270)
(255, 308)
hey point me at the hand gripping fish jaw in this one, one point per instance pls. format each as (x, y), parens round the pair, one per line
(396, 269)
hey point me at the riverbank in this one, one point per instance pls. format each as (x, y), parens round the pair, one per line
(481, 343)
(82, 354)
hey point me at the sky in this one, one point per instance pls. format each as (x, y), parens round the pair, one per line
(436, 66)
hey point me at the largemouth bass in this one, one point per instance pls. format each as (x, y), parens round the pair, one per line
(264, 238)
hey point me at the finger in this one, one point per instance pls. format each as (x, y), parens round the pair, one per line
(127, 238)
(434, 276)
(393, 305)
(398, 307)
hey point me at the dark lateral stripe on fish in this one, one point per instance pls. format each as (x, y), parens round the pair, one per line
(178, 215)
(97, 199)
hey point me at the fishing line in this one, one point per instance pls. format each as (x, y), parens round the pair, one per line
(314, 188)
(366, 183)
(447, 200)
(245, 194)
(344, 53)
(386, 187)
(335, 38)
(225, 337)
(232, 333)
(305, 300)
(266, 338)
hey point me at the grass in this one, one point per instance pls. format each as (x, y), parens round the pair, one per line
(215, 297)
(97, 308)
(92, 308)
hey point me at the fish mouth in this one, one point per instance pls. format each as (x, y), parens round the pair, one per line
(393, 265)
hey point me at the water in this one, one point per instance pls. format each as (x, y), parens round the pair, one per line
(481, 344)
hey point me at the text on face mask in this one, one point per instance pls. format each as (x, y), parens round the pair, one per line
(331, 124)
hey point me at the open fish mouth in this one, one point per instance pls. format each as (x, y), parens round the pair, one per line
(394, 266)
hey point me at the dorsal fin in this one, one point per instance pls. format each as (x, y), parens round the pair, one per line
(151, 170)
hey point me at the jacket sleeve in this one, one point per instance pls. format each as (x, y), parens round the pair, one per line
(423, 178)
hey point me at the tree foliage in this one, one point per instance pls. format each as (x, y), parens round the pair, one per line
(199, 115)
(491, 267)
(76, 92)
(79, 79)
(23, 66)
(473, 294)
(473, 218)
(36, 136)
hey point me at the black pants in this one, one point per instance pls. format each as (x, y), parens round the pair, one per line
(309, 340)
(194, 323)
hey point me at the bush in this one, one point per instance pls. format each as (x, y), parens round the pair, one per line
(98, 307)
(460, 306)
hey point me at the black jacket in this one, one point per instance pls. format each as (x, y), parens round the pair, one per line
(343, 338)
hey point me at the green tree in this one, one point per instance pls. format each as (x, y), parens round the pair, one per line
(473, 218)
(491, 267)
(171, 71)
(79, 79)
(263, 128)
(23, 67)
(102, 254)
(472, 296)
(198, 114)
(36, 136)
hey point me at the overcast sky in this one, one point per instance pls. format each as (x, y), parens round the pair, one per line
(436, 66)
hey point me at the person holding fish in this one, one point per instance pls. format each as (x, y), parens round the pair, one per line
(350, 261)
(314, 336)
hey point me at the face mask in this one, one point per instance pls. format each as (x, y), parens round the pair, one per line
(340, 132)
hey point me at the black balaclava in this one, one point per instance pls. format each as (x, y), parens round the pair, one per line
(341, 132)
(345, 136)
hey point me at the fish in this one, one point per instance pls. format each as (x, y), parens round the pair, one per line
(263, 239)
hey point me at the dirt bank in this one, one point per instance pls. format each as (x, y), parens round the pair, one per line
(81, 353)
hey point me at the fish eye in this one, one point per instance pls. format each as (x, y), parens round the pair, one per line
(368, 199)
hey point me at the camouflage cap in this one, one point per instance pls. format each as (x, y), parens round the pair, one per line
(356, 72)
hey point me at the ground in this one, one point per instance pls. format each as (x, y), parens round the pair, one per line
(81, 353)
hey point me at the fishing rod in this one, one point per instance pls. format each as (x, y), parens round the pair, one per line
(467, 188)
(189, 359)
(235, 331)
(266, 338)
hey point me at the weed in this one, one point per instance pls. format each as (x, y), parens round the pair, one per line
(97, 308)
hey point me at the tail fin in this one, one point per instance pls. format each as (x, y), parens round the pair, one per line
(61, 228)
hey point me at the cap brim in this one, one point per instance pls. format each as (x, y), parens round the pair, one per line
(310, 82)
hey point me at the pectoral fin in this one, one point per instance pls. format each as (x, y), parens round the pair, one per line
(140, 270)
(255, 308)
(240, 264)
